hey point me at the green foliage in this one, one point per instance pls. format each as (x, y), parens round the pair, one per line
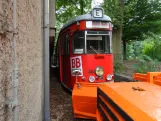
(141, 17)
(145, 64)
(130, 51)
(113, 9)
(68, 9)
(134, 49)
(137, 17)
(118, 67)
(152, 46)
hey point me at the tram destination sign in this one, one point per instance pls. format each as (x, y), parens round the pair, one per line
(97, 24)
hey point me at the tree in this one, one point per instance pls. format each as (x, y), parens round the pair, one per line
(141, 17)
(68, 9)
(151, 46)
(135, 17)
(114, 9)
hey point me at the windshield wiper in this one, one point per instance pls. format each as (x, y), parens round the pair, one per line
(94, 49)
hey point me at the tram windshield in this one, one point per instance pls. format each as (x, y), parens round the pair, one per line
(95, 43)
(98, 44)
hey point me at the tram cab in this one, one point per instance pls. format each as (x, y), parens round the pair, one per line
(84, 49)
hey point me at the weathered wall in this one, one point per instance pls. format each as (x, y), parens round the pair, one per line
(29, 58)
(6, 56)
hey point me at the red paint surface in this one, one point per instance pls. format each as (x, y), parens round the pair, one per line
(89, 61)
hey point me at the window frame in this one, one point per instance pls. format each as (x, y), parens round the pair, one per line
(107, 34)
(73, 40)
(89, 32)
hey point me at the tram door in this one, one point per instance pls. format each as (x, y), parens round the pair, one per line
(66, 60)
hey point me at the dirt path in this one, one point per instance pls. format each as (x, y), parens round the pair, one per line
(60, 103)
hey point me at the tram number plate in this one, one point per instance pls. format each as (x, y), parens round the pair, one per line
(76, 64)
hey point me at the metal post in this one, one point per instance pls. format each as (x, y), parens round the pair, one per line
(46, 60)
(14, 102)
(52, 29)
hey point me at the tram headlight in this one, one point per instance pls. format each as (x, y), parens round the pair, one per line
(109, 77)
(91, 79)
(99, 71)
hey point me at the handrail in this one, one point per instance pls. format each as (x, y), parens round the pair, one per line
(151, 77)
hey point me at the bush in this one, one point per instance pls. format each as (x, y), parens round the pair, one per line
(118, 67)
(146, 64)
(152, 47)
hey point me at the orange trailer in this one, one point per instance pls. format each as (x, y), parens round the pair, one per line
(121, 101)
(138, 101)
(151, 77)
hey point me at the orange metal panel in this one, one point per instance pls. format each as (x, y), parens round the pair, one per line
(149, 77)
(157, 80)
(98, 115)
(139, 105)
(106, 113)
(84, 100)
(112, 109)
(140, 77)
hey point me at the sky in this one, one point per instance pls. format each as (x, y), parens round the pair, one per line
(99, 1)
(96, 2)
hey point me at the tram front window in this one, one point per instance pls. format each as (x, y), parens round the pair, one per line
(98, 44)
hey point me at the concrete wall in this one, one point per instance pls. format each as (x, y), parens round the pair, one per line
(29, 58)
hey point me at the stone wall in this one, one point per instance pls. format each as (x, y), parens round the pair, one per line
(29, 59)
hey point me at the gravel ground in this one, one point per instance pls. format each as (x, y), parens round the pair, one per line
(61, 103)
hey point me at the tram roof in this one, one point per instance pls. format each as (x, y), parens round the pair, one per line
(88, 17)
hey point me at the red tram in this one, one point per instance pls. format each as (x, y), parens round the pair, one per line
(84, 49)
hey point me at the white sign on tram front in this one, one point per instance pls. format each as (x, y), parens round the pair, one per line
(76, 64)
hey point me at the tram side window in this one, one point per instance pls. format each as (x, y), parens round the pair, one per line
(66, 44)
(78, 42)
(62, 45)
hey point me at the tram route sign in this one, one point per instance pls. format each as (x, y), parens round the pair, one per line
(98, 12)
(76, 64)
